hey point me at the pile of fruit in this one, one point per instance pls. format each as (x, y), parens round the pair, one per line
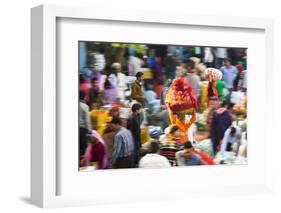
(180, 96)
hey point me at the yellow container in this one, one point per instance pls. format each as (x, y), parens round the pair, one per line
(99, 129)
(147, 73)
(98, 117)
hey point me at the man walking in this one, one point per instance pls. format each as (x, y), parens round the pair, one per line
(123, 146)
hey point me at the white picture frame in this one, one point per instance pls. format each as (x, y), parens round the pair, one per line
(44, 148)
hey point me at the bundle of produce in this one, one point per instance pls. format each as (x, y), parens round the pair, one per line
(241, 107)
(205, 146)
(180, 97)
(212, 74)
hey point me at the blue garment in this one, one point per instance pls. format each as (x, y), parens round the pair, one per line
(151, 62)
(193, 161)
(229, 74)
(123, 145)
(82, 55)
(86, 72)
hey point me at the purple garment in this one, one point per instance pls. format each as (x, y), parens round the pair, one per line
(110, 96)
(221, 121)
(158, 74)
(96, 74)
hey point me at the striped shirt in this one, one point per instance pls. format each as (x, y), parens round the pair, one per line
(123, 145)
(169, 149)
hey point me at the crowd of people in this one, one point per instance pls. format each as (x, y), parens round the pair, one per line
(123, 119)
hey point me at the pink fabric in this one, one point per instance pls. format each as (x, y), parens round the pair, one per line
(96, 152)
(221, 110)
(84, 87)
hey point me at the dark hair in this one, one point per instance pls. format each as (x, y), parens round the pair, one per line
(136, 107)
(82, 95)
(116, 120)
(101, 50)
(139, 74)
(93, 80)
(232, 131)
(154, 147)
(187, 145)
(139, 55)
(227, 59)
(190, 64)
(174, 129)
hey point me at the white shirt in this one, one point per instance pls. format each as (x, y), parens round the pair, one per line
(229, 139)
(84, 118)
(120, 83)
(136, 64)
(208, 58)
(154, 160)
(221, 52)
(98, 61)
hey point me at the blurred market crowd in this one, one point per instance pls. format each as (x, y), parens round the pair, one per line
(123, 119)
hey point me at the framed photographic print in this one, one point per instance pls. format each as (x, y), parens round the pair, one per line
(129, 106)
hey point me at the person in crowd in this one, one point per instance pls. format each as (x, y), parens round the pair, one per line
(134, 125)
(153, 159)
(97, 62)
(136, 87)
(158, 76)
(220, 53)
(221, 86)
(154, 134)
(134, 64)
(123, 146)
(84, 123)
(221, 121)
(169, 146)
(96, 151)
(187, 157)
(161, 115)
(238, 77)
(229, 73)
(118, 81)
(108, 137)
(231, 139)
(243, 82)
(109, 93)
(180, 71)
(192, 77)
(209, 57)
(94, 95)
(213, 105)
(150, 95)
(170, 64)
(84, 85)
(164, 91)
